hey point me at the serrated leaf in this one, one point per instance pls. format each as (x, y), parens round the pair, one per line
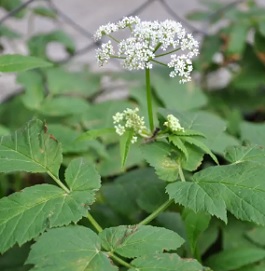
(164, 262)
(28, 213)
(231, 187)
(235, 258)
(70, 248)
(177, 142)
(18, 63)
(241, 154)
(80, 175)
(157, 155)
(134, 241)
(30, 149)
(202, 146)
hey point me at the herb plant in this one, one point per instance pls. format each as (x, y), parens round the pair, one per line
(105, 190)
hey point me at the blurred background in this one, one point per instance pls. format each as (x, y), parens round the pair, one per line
(77, 21)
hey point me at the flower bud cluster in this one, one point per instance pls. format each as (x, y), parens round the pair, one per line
(173, 124)
(129, 120)
(141, 48)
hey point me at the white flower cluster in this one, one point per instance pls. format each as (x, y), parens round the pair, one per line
(129, 119)
(173, 124)
(147, 38)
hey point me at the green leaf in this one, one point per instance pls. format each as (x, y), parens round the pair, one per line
(125, 144)
(202, 146)
(70, 248)
(164, 262)
(184, 97)
(253, 133)
(157, 155)
(82, 176)
(18, 63)
(9, 5)
(112, 164)
(67, 137)
(177, 142)
(137, 188)
(241, 154)
(60, 81)
(257, 235)
(195, 224)
(8, 32)
(63, 106)
(38, 43)
(26, 214)
(33, 83)
(231, 187)
(134, 241)
(235, 258)
(30, 149)
(45, 12)
(237, 39)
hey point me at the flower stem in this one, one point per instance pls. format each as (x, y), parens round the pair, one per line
(168, 53)
(159, 210)
(58, 181)
(149, 99)
(95, 224)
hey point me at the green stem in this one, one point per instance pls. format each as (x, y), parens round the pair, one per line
(95, 224)
(158, 62)
(181, 175)
(58, 181)
(159, 210)
(119, 260)
(99, 229)
(111, 37)
(168, 53)
(149, 99)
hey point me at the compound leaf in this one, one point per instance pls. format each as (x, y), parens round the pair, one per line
(70, 248)
(28, 213)
(30, 149)
(134, 241)
(238, 188)
(164, 262)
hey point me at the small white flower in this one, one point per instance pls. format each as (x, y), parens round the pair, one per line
(147, 38)
(173, 123)
(129, 119)
(104, 53)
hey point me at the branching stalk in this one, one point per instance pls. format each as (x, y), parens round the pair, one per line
(159, 210)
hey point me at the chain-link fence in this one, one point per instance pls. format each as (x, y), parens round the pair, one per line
(92, 15)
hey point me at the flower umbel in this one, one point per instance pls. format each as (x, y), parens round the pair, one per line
(173, 124)
(129, 119)
(147, 42)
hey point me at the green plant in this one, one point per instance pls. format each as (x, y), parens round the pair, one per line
(185, 193)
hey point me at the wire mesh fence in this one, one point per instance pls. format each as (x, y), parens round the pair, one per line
(88, 44)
